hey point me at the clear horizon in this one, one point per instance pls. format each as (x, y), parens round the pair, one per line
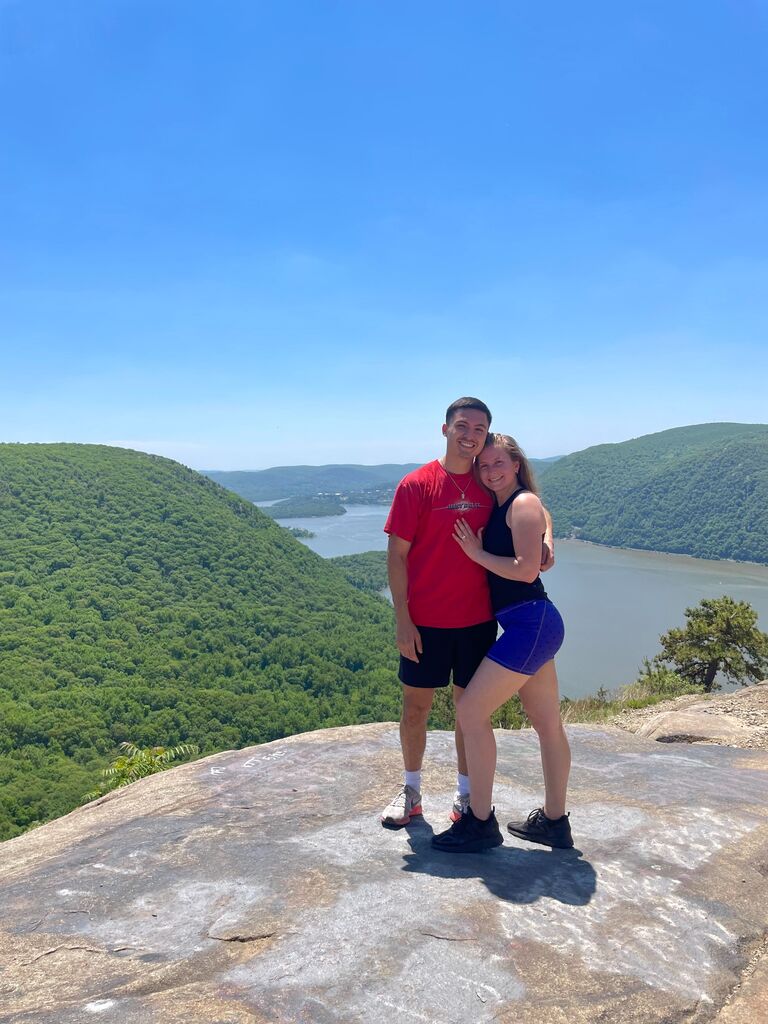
(288, 465)
(293, 234)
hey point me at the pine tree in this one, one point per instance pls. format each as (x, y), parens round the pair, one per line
(720, 637)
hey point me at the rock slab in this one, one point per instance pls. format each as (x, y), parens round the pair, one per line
(737, 719)
(258, 886)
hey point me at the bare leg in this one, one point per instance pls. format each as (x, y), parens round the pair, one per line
(417, 703)
(461, 757)
(491, 685)
(541, 702)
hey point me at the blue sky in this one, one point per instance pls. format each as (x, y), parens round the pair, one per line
(255, 234)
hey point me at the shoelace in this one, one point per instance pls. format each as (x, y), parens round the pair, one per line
(401, 799)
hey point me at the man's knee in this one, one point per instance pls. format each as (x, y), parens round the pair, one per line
(416, 706)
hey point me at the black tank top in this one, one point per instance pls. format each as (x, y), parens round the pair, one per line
(498, 540)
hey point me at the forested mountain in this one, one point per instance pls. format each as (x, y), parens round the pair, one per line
(700, 490)
(141, 601)
(301, 481)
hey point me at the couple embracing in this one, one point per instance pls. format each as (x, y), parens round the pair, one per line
(464, 557)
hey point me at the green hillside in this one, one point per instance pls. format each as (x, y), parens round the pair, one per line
(366, 571)
(141, 601)
(700, 490)
(302, 481)
(306, 508)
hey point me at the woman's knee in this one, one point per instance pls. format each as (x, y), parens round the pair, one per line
(548, 727)
(470, 717)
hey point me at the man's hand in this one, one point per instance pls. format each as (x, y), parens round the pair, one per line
(407, 636)
(408, 640)
(548, 545)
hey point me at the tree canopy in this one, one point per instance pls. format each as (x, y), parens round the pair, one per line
(366, 571)
(142, 602)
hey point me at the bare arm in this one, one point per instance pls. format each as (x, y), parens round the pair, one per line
(526, 520)
(408, 636)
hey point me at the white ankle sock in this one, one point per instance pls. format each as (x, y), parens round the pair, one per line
(413, 779)
(462, 784)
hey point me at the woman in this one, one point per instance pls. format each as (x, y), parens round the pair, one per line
(521, 660)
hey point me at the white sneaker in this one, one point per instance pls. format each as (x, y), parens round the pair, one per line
(460, 805)
(400, 811)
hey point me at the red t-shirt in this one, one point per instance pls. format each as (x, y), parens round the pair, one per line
(445, 588)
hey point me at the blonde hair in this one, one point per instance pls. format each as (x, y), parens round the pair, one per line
(516, 453)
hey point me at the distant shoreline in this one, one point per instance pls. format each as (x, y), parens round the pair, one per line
(610, 547)
(654, 551)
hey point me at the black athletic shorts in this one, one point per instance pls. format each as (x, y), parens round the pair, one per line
(445, 651)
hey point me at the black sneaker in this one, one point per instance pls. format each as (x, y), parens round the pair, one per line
(469, 835)
(538, 828)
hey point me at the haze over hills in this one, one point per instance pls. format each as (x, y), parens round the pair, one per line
(700, 490)
(141, 601)
(357, 484)
(305, 481)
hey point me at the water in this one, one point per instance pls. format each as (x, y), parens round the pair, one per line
(615, 603)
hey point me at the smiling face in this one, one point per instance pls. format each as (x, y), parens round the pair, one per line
(498, 471)
(465, 435)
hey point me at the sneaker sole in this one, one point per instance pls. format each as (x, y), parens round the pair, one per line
(400, 822)
(476, 846)
(541, 841)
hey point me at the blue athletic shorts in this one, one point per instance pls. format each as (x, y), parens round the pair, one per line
(533, 634)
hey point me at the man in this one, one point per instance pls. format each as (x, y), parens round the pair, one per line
(442, 607)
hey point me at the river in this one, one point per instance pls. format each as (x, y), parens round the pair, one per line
(615, 602)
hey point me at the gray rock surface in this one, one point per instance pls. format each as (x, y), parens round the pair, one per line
(258, 886)
(737, 719)
(694, 725)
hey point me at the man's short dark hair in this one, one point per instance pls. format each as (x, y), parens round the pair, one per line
(467, 403)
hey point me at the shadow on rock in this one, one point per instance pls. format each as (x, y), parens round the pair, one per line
(513, 874)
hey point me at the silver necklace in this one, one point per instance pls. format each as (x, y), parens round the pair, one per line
(450, 477)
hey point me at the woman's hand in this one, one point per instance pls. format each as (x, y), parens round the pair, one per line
(471, 543)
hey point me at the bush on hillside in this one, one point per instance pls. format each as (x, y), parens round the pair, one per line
(656, 681)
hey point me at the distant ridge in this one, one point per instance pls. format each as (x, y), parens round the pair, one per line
(360, 483)
(304, 481)
(699, 490)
